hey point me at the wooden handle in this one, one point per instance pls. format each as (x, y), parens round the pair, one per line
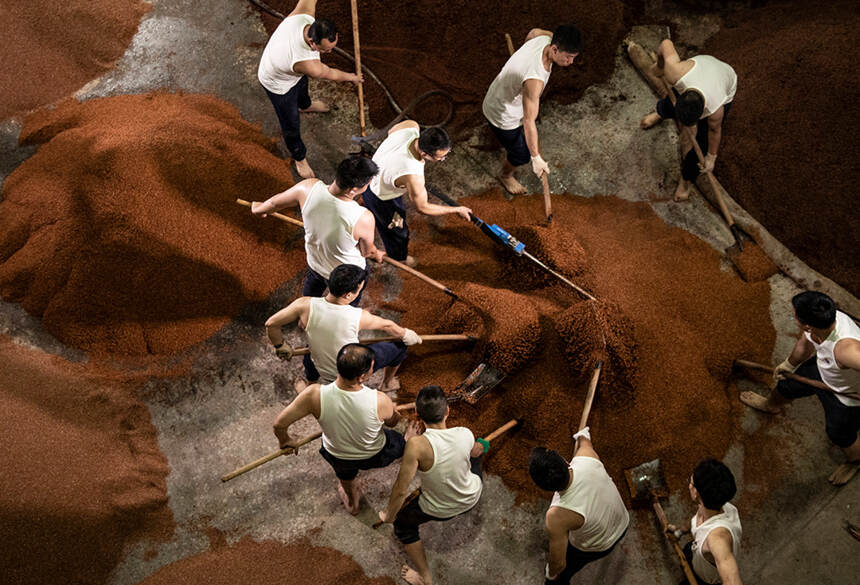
(547, 203)
(502, 429)
(280, 216)
(270, 456)
(589, 397)
(795, 377)
(661, 516)
(439, 337)
(422, 276)
(354, 6)
(510, 43)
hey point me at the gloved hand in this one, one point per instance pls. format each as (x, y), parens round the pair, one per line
(779, 372)
(284, 351)
(411, 338)
(539, 166)
(585, 433)
(710, 161)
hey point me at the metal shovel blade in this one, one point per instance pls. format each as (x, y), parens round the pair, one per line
(646, 479)
(482, 379)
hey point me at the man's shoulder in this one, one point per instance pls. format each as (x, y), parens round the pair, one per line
(559, 519)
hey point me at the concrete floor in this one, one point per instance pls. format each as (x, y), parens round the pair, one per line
(219, 417)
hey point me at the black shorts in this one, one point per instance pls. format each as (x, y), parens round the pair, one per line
(514, 143)
(411, 516)
(347, 469)
(576, 559)
(841, 422)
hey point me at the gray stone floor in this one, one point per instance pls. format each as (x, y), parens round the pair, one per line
(219, 416)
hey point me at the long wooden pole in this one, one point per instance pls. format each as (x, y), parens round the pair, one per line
(661, 517)
(354, 6)
(434, 337)
(502, 429)
(795, 377)
(386, 259)
(589, 397)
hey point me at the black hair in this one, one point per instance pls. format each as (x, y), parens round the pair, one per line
(814, 309)
(345, 278)
(353, 360)
(548, 469)
(433, 139)
(322, 29)
(355, 171)
(431, 404)
(689, 107)
(567, 38)
(714, 482)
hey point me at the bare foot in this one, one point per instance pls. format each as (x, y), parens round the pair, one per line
(392, 386)
(844, 473)
(413, 429)
(758, 402)
(650, 120)
(411, 261)
(344, 497)
(512, 185)
(682, 192)
(411, 576)
(300, 385)
(317, 106)
(304, 169)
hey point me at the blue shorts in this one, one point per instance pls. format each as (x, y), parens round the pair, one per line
(514, 143)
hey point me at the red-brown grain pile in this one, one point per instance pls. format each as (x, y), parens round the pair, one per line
(82, 472)
(266, 563)
(787, 146)
(122, 232)
(460, 47)
(680, 308)
(50, 49)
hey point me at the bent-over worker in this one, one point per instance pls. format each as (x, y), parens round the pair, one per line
(448, 462)
(330, 323)
(290, 57)
(351, 416)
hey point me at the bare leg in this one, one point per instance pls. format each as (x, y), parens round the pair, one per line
(389, 381)
(316, 106)
(650, 120)
(350, 495)
(421, 574)
(509, 181)
(304, 169)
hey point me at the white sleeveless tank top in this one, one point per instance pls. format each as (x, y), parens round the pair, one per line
(593, 495)
(329, 328)
(449, 487)
(840, 379)
(329, 222)
(394, 161)
(729, 520)
(350, 422)
(285, 48)
(717, 82)
(503, 104)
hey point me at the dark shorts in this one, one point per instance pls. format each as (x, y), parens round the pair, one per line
(841, 422)
(411, 516)
(690, 164)
(514, 143)
(287, 109)
(390, 216)
(576, 559)
(347, 469)
(385, 353)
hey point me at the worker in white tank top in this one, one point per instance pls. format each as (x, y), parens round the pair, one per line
(586, 517)
(705, 87)
(401, 158)
(351, 416)
(337, 229)
(291, 56)
(716, 526)
(331, 322)
(448, 462)
(832, 338)
(512, 103)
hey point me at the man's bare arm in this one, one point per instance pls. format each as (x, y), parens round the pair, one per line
(292, 197)
(299, 408)
(847, 354)
(372, 322)
(386, 410)
(285, 316)
(715, 130)
(668, 62)
(304, 7)
(418, 193)
(319, 70)
(584, 448)
(364, 231)
(532, 89)
(803, 350)
(408, 468)
(558, 524)
(720, 544)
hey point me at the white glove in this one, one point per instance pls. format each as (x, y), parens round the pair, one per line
(539, 166)
(584, 433)
(779, 372)
(710, 161)
(411, 338)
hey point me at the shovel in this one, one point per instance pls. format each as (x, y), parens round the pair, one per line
(647, 484)
(482, 379)
(440, 337)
